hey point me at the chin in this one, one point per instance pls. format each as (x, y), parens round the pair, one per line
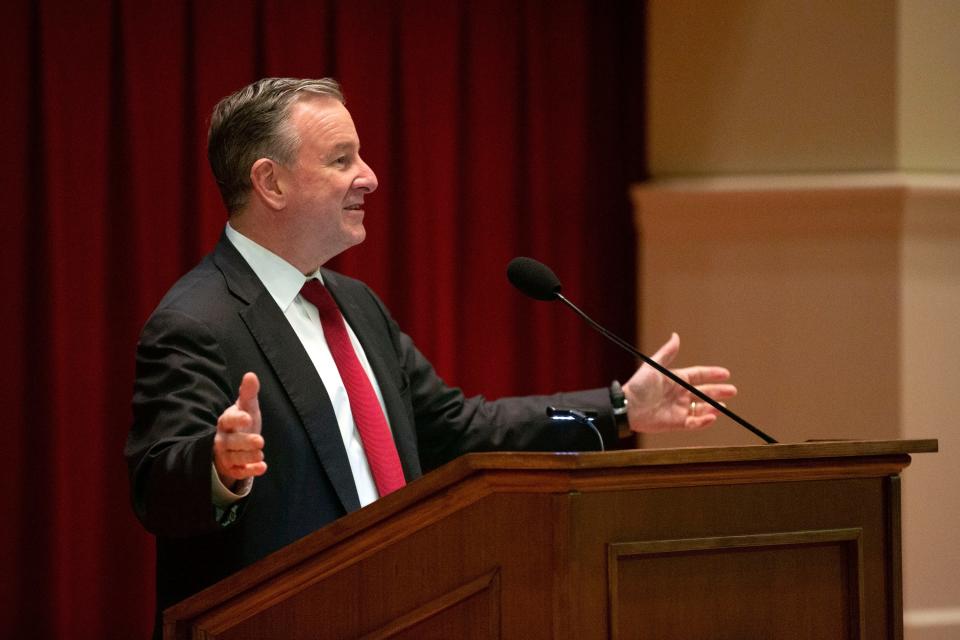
(357, 235)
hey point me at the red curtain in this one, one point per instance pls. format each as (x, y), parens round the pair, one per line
(497, 128)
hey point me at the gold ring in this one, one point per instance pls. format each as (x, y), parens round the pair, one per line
(693, 408)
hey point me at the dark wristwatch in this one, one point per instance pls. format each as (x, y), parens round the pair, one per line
(618, 402)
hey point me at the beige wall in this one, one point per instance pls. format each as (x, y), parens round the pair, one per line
(930, 369)
(803, 227)
(928, 96)
(751, 86)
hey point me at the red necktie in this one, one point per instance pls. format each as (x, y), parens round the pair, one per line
(367, 413)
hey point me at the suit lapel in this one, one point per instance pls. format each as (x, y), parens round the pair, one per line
(293, 368)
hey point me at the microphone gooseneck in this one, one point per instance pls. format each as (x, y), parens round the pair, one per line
(536, 280)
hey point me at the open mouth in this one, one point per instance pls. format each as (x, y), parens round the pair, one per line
(355, 207)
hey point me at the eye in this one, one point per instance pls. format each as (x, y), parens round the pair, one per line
(344, 160)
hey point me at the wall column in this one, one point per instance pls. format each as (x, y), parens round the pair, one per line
(802, 226)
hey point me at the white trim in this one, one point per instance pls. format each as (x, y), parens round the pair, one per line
(932, 617)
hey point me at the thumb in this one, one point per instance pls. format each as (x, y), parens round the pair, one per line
(666, 354)
(247, 396)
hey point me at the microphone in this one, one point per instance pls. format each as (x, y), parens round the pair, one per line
(533, 279)
(537, 280)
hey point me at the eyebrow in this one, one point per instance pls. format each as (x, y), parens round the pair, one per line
(345, 146)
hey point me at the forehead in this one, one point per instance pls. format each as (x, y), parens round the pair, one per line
(323, 120)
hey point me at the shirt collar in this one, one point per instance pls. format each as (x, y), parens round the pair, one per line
(281, 279)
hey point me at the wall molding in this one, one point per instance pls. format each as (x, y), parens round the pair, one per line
(942, 617)
(914, 181)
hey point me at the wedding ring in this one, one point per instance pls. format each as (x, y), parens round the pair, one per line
(693, 408)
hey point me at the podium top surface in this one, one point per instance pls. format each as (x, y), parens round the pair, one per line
(696, 455)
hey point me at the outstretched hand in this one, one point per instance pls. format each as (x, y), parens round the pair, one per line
(238, 445)
(656, 404)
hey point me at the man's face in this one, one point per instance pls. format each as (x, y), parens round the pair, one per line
(327, 181)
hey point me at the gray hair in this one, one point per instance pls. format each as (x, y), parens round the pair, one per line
(252, 124)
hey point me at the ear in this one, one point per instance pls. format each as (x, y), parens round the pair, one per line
(267, 185)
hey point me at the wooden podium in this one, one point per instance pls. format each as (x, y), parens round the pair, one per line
(767, 541)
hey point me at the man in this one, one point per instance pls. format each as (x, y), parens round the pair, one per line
(274, 396)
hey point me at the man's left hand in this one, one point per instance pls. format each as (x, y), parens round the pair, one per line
(657, 404)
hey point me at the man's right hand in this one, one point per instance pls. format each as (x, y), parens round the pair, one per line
(238, 445)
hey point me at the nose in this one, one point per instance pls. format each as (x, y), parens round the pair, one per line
(366, 179)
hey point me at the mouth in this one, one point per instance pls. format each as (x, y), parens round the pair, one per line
(354, 207)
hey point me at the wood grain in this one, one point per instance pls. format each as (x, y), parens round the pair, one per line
(519, 545)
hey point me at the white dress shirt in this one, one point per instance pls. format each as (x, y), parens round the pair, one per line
(283, 282)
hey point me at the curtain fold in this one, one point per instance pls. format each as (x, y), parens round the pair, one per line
(496, 128)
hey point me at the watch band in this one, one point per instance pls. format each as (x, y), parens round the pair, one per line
(618, 403)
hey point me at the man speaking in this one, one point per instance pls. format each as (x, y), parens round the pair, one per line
(273, 396)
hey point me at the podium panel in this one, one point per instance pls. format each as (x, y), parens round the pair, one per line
(751, 586)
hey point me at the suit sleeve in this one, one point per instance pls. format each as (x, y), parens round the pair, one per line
(180, 390)
(449, 424)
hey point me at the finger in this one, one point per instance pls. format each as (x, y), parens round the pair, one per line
(254, 469)
(237, 441)
(242, 472)
(716, 391)
(701, 375)
(242, 458)
(704, 409)
(695, 423)
(247, 396)
(233, 419)
(668, 352)
(698, 406)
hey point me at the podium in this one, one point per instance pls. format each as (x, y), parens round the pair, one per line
(767, 541)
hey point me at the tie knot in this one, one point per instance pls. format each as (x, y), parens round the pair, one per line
(314, 291)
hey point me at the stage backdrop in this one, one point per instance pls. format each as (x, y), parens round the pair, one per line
(497, 128)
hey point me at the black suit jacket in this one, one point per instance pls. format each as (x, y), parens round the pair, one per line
(217, 323)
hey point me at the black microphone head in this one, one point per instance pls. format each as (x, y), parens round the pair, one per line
(533, 278)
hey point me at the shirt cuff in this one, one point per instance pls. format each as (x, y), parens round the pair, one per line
(224, 498)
